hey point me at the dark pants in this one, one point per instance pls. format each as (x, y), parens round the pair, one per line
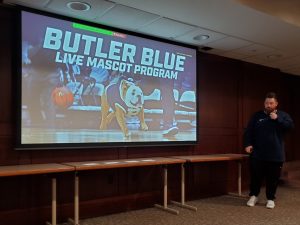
(260, 170)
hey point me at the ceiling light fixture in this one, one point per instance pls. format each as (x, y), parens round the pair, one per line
(201, 37)
(79, 6)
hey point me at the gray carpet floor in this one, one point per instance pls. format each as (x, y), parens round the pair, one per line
(221, 210)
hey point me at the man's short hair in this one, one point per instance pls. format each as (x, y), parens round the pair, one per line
(272, 95)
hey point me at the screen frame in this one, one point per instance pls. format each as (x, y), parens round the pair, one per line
(18, 145)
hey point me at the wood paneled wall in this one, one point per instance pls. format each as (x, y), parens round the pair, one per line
(229, 92)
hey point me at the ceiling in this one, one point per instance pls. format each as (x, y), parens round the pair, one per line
(262, 32)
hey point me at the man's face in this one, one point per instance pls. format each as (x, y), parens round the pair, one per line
(270, 104)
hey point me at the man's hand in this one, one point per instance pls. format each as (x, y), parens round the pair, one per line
(249, 149)
(273, 115)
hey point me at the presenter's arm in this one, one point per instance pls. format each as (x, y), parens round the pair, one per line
(285, 121)
(248, 135)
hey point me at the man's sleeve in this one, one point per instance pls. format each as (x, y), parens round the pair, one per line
(285, 121)
(248, 133)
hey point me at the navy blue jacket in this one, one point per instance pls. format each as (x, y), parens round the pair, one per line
(266, 135)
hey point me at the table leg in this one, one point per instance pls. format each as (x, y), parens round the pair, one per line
(182, 203)
(53, 204)
(239, 183)
(165, 206)
(76, 202)
(240, 178)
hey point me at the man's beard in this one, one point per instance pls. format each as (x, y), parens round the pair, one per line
(269, 110)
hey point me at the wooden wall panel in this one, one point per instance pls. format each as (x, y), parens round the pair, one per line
(6, 40)
(72, 155)
(257, 81)
(217, 92)
(217, 145)
(293, 145)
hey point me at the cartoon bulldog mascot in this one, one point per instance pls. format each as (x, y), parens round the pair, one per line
(125, 98)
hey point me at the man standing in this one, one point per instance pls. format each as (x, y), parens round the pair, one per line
(263, 140)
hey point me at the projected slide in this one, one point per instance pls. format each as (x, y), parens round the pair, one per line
(85, 84)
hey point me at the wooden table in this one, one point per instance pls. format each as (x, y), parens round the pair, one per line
(208, 158)
(34, 169)
(123, 163)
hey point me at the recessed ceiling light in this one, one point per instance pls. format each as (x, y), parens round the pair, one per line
(79, 6)
(201, 37)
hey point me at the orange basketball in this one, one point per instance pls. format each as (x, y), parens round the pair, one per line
(62, 97)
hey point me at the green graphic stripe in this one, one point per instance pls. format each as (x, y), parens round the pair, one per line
(92, 29)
